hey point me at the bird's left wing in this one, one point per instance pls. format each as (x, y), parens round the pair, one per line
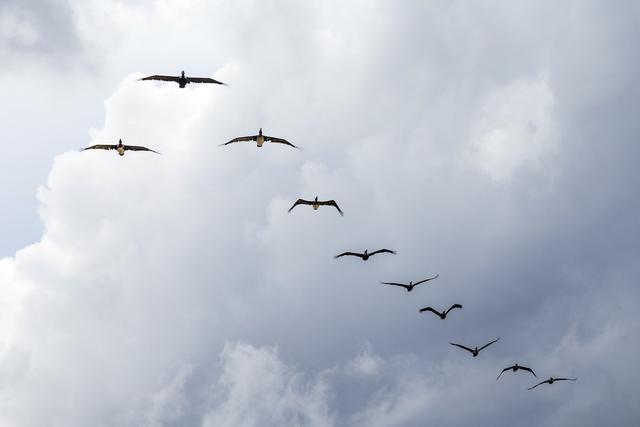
(488, 344)
(540, 383)
(524, 368)
(503, 371)
(279, 141)
(426, 280)
(454, 306)
(100, 147)
(462, 347)
(348, 253)
(402, 285)
(299, 202)
(240, 139)
(163, 78)
(204, 80)
(138, 148)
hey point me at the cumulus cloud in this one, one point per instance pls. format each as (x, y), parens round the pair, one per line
(162, 286)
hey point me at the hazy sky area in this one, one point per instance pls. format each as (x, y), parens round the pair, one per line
(494, 143)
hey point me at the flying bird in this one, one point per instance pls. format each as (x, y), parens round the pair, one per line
(515, 368)
(442, 315)
(183, 80)
(260, 139)
(366, 255)
(315, 203)
(411, 285)
(551, 380)
(120, 148)
(475, 351)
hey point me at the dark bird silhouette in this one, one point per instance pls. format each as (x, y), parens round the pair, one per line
(183, 80)
(441, 315)
(315, 203)
(515, 368)
(411, 285)
(260, 139)
(475, 351)
(120, 148)
(366, 255)
(551, 380)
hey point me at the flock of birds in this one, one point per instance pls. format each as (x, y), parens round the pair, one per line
(260, 139)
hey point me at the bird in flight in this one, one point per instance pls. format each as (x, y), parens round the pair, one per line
(119, 147)
(183, 80)
(411, 285)
(552, 380)
(315, 203)
(475, 351)
(515, 368)
(442, 315)
(366, 255)
(260, 139)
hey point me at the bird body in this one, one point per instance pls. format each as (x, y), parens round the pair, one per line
(411, 285)
(182, 80)
(443, 314)
(515, 368)
(365, 255)
(551, 380)
(315, 204)
(475, 351)
(260, 139)
(120, 148)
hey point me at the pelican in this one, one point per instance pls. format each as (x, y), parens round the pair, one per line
(183, 80)
(260, 139)
(475, 351)
(442, 315)
(315, 204)
(552, 380)
(365, 256)
(120, 148)
(515, 368)
(411, 285)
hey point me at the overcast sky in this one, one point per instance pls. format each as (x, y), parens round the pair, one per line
(494, 144)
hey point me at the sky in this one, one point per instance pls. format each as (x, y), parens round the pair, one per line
(494, 144)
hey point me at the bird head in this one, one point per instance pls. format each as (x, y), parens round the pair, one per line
(316, 199)
(260, 131)
(182, 74)
(120, 142)
(365, 251)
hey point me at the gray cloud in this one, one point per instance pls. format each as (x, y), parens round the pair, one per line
(484, 145)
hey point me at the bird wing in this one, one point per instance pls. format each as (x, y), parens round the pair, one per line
(426, 280)
(431, 310)
(350, 254)
(331, 203)
(503, 371)
(524, 368)
(461, 346)
(101, 147)
(300, 202)
(204, 80)
(163, 78)
(138, 148)
(279, 141)
(452, 307)
(540, 383)
(395, 284)
(381, 251)
(241, 138)
(487, 345)
(565, 379)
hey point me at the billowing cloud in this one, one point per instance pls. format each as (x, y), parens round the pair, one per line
(175, 289)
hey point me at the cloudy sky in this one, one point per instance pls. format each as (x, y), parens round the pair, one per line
(494, 144)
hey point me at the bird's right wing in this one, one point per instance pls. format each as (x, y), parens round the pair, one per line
(462, 347)
(139, 148)
(163, 78)
(524, 368)
(332, 203)
(503, 371)
(422, 310)
(348, 254)
(426, 280)
(454, 306)
(279, 141)
(300, 202)
(540, 383)
(101, 147)
(565, 379)
(240, 139)
(382, 251)
(488, 344)
(402, 285)
(205, 80)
